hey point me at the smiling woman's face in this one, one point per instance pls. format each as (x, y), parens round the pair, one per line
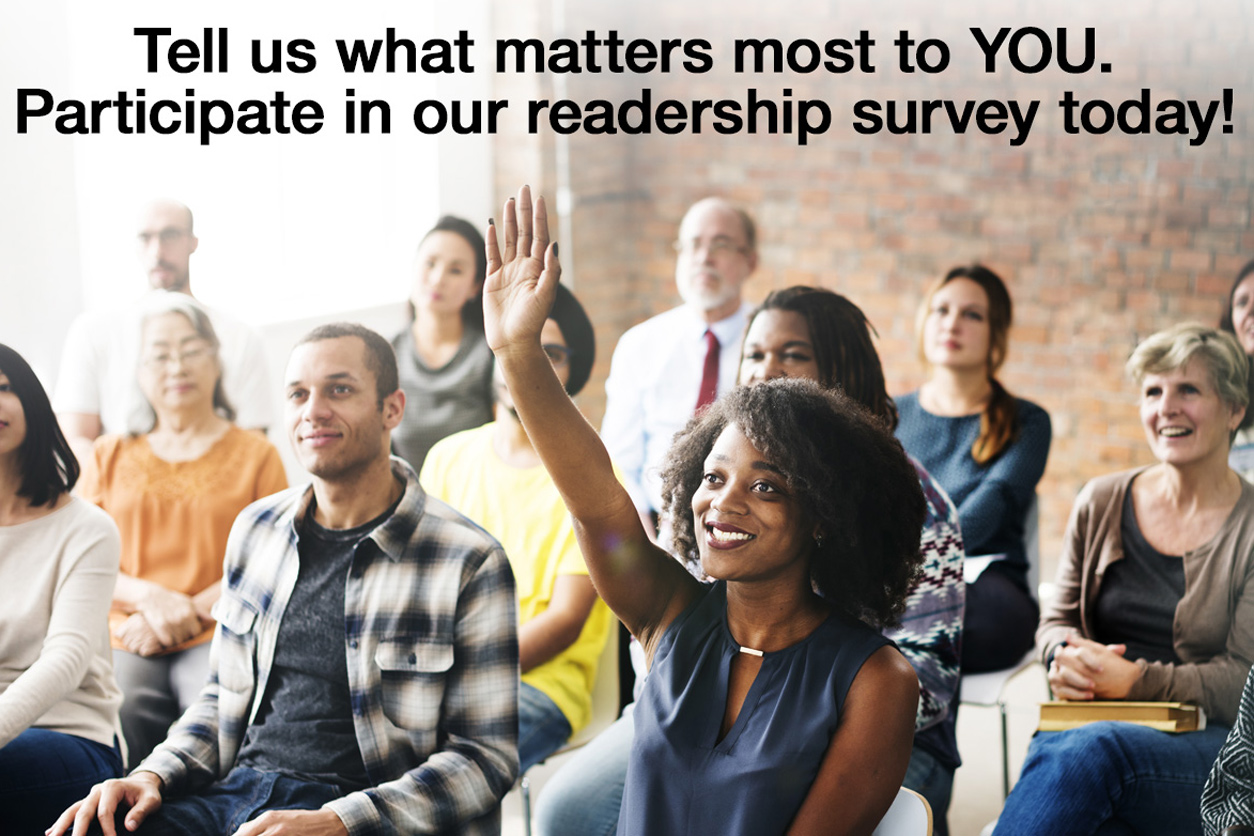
(1185, 420)
(748, 523)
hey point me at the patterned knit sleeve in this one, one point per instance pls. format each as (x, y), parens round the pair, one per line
(1228, 798)
(931, 628)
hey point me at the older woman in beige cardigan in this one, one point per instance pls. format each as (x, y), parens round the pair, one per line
(1155, 602)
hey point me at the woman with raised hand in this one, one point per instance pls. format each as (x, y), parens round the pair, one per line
(1155, 601)
(59, 731)
(771, 705)
(1238, 320)
(174, 485)
(987, 449)
(444, 364)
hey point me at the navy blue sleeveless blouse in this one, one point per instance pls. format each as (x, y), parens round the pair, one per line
(682, 779)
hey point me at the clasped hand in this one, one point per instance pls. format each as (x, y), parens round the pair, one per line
(163, 619)
(1083, 669)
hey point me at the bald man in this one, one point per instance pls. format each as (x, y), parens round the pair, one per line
(97, 392)
(666, 367)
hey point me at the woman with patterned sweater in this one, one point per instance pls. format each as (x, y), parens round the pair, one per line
(813, 333)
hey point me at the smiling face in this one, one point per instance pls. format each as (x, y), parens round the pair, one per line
(956, 331)
(749, 525)
(12, 420)
(336, 425)
(1185, 420)
(444, 274)
(778, 345)
(1243, 313)
(178, 369)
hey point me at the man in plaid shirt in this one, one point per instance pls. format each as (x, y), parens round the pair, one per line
(364, 672)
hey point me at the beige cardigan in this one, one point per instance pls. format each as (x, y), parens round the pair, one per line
(1213, 630)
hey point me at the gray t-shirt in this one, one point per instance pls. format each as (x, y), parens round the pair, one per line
(1137, 604)
(304, 728)
(440, 402)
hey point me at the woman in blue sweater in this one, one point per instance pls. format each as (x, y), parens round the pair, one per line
(987, 449)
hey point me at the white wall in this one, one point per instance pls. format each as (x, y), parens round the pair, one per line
(291, 228)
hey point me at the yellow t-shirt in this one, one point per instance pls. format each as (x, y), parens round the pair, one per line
(522, 509)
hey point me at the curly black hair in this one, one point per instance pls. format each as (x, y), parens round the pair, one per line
(847, 471)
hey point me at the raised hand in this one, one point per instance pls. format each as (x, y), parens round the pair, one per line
(522, 278)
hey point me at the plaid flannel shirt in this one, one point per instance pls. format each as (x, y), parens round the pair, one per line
(430, 636)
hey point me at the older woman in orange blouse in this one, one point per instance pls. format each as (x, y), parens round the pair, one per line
(174, 487)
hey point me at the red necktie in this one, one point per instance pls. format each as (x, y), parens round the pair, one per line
(709, 372)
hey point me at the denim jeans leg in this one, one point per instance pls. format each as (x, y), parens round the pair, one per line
(542, 727)
(584, 796)
(931, 779)
(243, 795)
(1112, 778)
(43, 772)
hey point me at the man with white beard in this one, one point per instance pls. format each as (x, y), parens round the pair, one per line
(667, 367)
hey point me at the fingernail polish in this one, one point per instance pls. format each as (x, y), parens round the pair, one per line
(491, 222)
(555, 249)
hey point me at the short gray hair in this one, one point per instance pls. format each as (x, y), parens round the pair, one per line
(159, 303)
(1174, 347)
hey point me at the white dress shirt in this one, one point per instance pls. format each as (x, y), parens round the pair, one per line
(655, 377)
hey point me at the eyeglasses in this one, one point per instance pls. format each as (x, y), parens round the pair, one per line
(715, 246)
(559, 355)
(191, 357)
(166, 236)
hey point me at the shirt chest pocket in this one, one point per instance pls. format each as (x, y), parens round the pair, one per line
(237, 640)
(412, 676)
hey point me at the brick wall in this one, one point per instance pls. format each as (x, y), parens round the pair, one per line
(1102, 239)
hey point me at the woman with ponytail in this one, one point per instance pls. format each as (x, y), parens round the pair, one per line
(986, 448)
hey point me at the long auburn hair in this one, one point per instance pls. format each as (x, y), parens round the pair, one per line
(999, 422)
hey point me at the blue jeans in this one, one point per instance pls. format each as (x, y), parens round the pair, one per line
(1112, 778)
(934, 781)
(43, 772)
(542, 727)
(583, 797)
(223, 807)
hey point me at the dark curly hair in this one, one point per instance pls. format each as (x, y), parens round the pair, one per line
(847, 471)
